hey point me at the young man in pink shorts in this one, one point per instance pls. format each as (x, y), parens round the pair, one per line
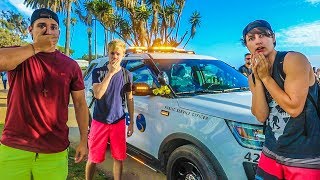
(283, 89)
(108, 122)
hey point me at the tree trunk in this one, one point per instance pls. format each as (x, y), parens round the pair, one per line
(90, 44)
(67, 44)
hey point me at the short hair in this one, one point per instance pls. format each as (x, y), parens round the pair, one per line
(259, 30)
(116, 43)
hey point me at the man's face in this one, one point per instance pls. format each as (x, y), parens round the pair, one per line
(247, 59)
(115, 55)
(52, 27)
(260, 42)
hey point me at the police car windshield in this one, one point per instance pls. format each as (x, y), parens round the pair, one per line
(194, 76)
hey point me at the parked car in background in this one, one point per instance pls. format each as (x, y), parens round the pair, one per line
(192, 113)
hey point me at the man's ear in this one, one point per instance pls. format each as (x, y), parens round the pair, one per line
(30, 29)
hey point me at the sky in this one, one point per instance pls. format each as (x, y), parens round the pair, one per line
(296, 24)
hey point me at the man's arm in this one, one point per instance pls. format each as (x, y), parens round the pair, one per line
(259, 108)
(100, 88)
(296, 85)
(10, 58)
(82, 117)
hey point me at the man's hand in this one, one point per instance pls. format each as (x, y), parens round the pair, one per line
(81, 152)
(254, 65)
(44, 43)
(113, 67)
(263, 68)
(130, 129)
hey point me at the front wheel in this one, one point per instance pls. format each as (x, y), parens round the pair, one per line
(189, 163)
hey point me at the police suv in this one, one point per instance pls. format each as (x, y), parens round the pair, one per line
(192, 115)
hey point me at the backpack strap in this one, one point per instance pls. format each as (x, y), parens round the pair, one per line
(126, 81)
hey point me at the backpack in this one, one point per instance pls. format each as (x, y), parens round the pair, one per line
(279, 64)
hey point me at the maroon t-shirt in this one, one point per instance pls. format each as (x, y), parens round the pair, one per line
(38, 101)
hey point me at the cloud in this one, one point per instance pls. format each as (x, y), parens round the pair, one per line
(307, 35)
(21, 7)
(313, 1)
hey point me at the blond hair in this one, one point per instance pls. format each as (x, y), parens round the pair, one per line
(116, 43)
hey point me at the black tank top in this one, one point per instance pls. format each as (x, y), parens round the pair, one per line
(292, 141)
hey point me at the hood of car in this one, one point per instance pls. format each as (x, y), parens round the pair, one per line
(235, 106)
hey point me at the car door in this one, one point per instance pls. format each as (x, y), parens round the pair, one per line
(150, 125)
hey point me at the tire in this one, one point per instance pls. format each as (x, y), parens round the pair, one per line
(188, 162)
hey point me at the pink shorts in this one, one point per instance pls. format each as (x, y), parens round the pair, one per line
(270, 169)
(99, 136)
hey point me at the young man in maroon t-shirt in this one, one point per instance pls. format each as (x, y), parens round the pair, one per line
(35, 137)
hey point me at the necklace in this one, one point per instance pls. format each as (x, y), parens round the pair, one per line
(46, 77)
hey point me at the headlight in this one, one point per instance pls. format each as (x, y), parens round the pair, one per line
(247, 135)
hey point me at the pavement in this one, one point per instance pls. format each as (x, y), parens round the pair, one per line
(133, 170)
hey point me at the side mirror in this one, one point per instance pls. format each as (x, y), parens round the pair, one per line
(141, 89)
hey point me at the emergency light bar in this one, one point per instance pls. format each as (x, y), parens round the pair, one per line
(165, 49)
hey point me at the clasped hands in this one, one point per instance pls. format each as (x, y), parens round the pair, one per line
(261, 67)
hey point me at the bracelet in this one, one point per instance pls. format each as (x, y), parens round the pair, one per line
(34, 51)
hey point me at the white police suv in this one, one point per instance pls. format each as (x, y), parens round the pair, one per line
(192, 114)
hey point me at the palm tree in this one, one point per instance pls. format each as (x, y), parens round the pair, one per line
(143, 22)
(54, 5)
(15, 23)
(180, 4)
(195, 22)
(67, 42)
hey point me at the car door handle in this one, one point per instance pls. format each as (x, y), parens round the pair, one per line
(165, 113)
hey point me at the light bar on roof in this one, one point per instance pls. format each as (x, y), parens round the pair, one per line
(141, 49)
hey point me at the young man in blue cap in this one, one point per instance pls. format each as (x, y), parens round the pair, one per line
(34, 141)
(280, 84)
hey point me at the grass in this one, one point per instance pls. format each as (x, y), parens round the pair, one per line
(76, 171)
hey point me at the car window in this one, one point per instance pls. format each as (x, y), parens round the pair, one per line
(140, 72)
(201, 76)
(88, 71)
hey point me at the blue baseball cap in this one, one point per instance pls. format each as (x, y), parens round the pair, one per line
(255, 24)
(44, 13)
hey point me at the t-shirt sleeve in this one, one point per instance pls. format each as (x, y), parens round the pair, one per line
(95, 76)
(77, 83)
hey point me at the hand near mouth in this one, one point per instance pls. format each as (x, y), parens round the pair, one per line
(113, 67)
(262, 66)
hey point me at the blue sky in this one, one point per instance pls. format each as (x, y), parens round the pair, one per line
(295, 22)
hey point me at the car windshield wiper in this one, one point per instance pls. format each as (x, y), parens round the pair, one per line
(200, 91)
(209, 91)
(235, 89)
